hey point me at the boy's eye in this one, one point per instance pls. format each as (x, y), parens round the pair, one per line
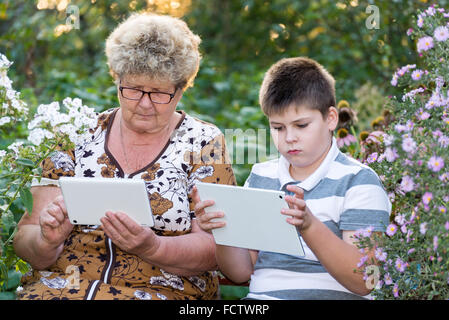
(302, 126)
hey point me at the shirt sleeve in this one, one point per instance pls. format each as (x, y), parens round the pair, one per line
(211, 164)
(366, 203)
(60, 163)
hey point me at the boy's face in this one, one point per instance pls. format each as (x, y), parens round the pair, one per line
(303, 137)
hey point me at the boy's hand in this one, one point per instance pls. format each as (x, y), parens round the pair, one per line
(203, 218)
(301, 217)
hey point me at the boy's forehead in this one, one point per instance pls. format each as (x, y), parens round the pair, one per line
(294, 112)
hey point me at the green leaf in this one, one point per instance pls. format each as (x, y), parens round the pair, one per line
(25, 162)
(27, 199)
(13, 280)
(7, 295)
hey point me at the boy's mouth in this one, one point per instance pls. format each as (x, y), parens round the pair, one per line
(294, 151)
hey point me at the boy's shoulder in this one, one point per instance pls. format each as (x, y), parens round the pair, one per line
(267, 168)
(360, 173)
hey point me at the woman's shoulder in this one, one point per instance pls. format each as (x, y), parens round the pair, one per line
(104, 118)
(197, 126)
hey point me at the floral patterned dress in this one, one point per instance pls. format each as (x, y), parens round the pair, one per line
(195, 152)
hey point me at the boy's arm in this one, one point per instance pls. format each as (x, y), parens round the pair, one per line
(236, 264)
(338, 256)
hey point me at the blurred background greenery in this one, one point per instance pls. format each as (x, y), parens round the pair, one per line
(55, 58)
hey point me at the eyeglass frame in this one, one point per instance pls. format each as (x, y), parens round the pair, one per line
(172, 95)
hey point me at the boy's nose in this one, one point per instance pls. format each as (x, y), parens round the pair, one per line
(290, 136)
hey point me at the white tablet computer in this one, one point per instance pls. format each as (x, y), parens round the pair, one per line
(88, 199)
(253, 218)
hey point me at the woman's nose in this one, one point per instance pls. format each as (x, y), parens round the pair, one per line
(145, 101)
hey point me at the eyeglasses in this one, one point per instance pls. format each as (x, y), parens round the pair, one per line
(155, 96)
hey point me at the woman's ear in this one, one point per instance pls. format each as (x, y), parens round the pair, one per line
(332, 118)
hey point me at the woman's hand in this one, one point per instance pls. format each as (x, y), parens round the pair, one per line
(203, 218)
(129, 235)
(300, 215)
(54, 222)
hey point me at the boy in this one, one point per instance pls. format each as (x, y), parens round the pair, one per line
(331, 195)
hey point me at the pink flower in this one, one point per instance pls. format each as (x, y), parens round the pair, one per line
(395, 290)
(387, 279)
(372, 157)
(424, 44)
(435, 163)
(435, 243)
(409, 145)
(423, 228)
(443, 141)
(380, 254)
(346, 141)
(441, 33)
(446, 225)
(417, 74)
(391, 154)
(422, 115)
(407, 184)
(362, 261)
(400, 265)
(391, 229)
(427, 197)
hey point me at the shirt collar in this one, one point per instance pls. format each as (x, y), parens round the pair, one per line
(314, 178)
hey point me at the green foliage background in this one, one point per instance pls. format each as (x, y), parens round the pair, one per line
(240, 40)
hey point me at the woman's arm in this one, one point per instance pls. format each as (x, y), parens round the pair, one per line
(41, 234)
(185, 255)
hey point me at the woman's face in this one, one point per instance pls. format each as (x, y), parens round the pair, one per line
(145, 116)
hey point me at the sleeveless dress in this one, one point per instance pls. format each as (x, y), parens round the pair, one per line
(90, 265)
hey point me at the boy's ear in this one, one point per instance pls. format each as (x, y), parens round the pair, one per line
(332, 118)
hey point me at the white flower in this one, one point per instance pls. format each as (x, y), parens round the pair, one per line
(4, 120)
(15, 147)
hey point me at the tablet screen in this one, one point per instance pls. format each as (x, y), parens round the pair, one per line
(88, 199)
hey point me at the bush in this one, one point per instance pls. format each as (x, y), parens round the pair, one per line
(28, 138)
(412, 159)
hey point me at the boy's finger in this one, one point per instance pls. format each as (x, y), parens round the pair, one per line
(299, 203)
(299, 193)
(203, 204)
(205, 218)
(293, 213)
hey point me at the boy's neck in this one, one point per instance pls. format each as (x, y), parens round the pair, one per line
(301, 174)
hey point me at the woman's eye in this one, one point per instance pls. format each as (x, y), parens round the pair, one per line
(276, 128)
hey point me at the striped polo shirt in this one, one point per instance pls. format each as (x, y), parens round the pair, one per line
(342, 193)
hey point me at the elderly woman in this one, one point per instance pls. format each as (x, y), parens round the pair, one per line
(153, 59)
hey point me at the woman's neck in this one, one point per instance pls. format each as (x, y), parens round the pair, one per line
(145, 138)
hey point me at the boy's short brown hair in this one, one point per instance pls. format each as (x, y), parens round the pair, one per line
(299, 81)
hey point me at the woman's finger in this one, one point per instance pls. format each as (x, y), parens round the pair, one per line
(195, 195)
(55, 212)
(131, 226)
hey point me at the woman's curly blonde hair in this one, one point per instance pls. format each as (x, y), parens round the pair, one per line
(160, 47)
